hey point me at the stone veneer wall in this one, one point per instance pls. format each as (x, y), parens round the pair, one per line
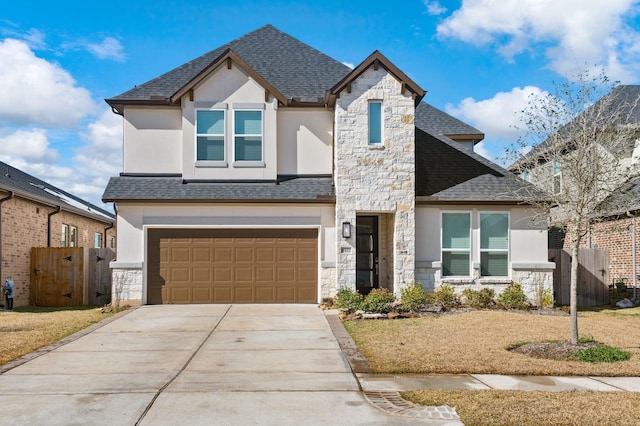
(328, 281)
(127, 286)
(374, 179)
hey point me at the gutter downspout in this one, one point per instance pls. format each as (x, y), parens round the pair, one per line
(104, 243)
(2, 200)
(56, 211)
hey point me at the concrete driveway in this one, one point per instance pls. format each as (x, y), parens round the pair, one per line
(196, 365)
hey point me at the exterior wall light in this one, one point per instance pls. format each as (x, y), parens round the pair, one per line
(346, 229)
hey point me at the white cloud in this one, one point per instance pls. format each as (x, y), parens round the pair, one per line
(434, 7)
(38, 92)
(349, 64)
(498, 117)
(109, 48)
(28, 145)
(571, 33)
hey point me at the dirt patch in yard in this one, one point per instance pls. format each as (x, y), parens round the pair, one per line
(559, 351)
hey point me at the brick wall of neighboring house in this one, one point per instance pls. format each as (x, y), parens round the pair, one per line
(24, 225)
(616, 236)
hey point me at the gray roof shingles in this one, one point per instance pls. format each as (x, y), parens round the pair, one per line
(13, 179)
(444, 169)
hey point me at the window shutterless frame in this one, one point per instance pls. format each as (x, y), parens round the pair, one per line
(494, 243)
(375, 122)
(455, 243)
(248, 146)
(210, 143)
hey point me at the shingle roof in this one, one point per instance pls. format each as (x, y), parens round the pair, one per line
(447, 172)
(294, 68)
(147, 188)
(438, 123)
(12, 179)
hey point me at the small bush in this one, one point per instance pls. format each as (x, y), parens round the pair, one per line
(379, 300)
(413, 297)
(479, 298)
(602, 353)
(445, 296)
(513, 298)
(348, 300)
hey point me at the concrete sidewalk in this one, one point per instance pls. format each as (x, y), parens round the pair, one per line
(203, 364)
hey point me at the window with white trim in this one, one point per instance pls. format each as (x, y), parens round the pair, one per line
(557, 177)
(73, 236)
(375, 122)
(210, 131)
(456, 244)
(97, 240)
(247, 135)
(494, 244)
(526, 175)
(64, 236)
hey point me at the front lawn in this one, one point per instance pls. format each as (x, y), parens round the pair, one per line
(477, 342)
(28, 328)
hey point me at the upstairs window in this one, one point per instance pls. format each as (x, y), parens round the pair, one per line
(210, 135)
(456, 244)
(526, 176)
(557, 177)
(248, 135)
(494, 244)
(375, 122)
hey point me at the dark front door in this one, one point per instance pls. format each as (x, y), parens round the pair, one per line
(366, 253)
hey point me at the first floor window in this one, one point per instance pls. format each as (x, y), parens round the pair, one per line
(494, 244)
(64, 236)
(456, 244)
(73, 236)
(113, 242)
(248, 135)
(375, 122)
(97, 240)
(210, 135)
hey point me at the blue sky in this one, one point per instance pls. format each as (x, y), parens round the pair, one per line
(477, 59)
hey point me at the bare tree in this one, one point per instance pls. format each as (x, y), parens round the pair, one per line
(582, 141)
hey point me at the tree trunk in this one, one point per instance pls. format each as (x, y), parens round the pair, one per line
(574, 291)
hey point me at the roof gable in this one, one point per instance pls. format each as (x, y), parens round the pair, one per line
(375, 60)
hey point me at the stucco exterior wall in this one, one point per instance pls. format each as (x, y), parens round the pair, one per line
(305, 138)
(229, 90)
(153, 140)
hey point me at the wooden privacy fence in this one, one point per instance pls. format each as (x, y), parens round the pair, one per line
(70, 276)
(593, 276)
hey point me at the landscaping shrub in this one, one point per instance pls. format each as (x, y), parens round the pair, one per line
(413, 297)
(479, 298)
(513, 298)
(445, 296)
(379, 300)
(348, 299)
(602, 353)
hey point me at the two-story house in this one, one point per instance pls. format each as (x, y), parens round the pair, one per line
(610, 198)
(266, 171)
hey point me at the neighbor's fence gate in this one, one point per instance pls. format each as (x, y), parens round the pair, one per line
(593, 276)
(70, 276)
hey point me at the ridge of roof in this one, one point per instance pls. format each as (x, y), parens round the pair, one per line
(13, 179)
(294, 68)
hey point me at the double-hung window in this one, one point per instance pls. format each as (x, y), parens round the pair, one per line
(494, 244)
(210, 145)
(456, 244)
(247, 135)
(375, 122)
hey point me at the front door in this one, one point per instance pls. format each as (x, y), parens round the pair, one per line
(366, 254)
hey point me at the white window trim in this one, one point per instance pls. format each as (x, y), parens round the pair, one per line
(247, 163)
(507, 250)
(73, 236)
(375, 144)
(211, 163)
(470, 249)
(64, 237)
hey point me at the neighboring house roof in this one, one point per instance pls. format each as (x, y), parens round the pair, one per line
(298, 71)
(30, 187)
(625, 199)
(624, 99)
(175, 189)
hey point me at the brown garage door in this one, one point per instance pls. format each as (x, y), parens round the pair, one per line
(232, 266)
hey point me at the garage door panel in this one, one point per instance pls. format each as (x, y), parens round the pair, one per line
(232, 266)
